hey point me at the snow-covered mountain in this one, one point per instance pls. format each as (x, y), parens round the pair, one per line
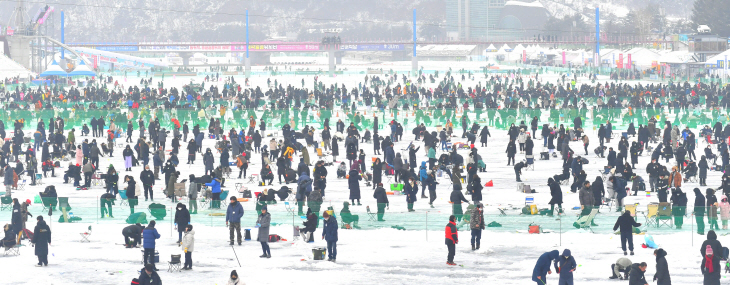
(224, 20)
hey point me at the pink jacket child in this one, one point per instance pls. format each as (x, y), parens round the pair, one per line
(724, 211)
(79, 155)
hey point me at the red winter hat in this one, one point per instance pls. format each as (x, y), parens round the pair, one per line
(27, 201)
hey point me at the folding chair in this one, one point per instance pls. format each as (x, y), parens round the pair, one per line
(289, 209)
(6, 203)
(606, 173)
(96, 179)
(39, 179)
(224, 198)
(85, 235)
(607, 203)
(692, 178)
(650, 215)
(204, 197)
(664, 215)
(174, 264)
(530, 162)
(13, 250)
(21, 185)
(631, 209)
(501, 212)
(123, 195)
(240, 187)
(529, 200)
(371, 216)
(586, 221)
(253, 179)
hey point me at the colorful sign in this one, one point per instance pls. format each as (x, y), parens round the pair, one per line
(383, 47)
(620, 60)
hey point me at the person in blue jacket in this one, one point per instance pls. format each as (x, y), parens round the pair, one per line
(542, 267)
(329, 233)
(565, 265)
(149, 235)
(233, 219)
(423, 176)
(215, 189)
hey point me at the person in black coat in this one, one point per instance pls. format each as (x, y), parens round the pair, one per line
(382, 199)
(412, 156)
(598, 191)
(625, 224)
(661, 277)
(41, 240)
(456, 198)
(556, 196)
(511, 150)
(17, 217)
(377, 172)
(484, 136)
(679, 206)
(192, 148)
(182, 219)
(148, 275)
(335, 149)
(132, 235)
(310, 225)
(636, 275)
(476, 188)
(353, 181)
(699, 211)
(611, 157)
(713, 243)
(703, 167)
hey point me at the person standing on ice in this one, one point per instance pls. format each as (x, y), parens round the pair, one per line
(476, 223)
(452, 238)
(41, 240)
(149, 235)
(188, 244)
(263, 223)
(234, 213)
(329, 233)
(410, 190)
(626, 223)
(565, 265)
(662, 268)
(542, 267)
(455, 199)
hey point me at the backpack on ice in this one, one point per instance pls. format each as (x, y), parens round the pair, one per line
(274, 238)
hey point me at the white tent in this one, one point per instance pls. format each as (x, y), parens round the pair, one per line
(82, 70)
(54, 70)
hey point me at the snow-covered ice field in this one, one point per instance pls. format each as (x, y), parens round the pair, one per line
(371, 255)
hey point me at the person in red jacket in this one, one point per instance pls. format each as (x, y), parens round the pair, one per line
(452, 238)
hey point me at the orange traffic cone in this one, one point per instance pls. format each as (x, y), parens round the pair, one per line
(489, 184)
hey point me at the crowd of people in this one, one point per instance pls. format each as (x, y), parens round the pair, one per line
(284, 152)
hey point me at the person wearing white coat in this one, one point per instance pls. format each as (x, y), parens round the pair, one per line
(521, 138)
(188, 244)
